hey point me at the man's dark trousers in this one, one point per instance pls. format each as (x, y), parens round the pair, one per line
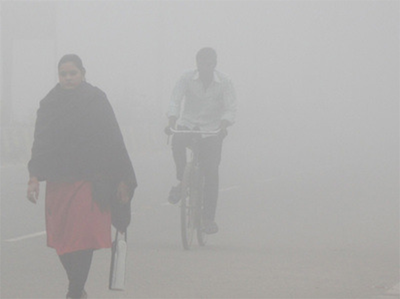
(210, 158)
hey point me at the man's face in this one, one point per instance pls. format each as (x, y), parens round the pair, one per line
(206, 66)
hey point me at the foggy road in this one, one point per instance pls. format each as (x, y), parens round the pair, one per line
(295, 236)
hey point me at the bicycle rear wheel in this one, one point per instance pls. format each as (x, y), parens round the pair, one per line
(188, 217)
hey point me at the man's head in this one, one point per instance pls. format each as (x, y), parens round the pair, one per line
(206, 59)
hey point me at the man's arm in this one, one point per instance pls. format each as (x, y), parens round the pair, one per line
(229, 116)
(175, 103)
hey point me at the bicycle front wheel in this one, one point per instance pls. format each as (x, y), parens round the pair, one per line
(201, 235)
(188, 209)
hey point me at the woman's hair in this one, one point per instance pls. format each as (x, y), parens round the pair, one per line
(75, 59)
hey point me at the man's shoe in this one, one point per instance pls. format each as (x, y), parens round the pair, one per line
(210, 227)
(175, 194)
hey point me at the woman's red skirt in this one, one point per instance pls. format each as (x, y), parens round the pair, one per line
(73, 220)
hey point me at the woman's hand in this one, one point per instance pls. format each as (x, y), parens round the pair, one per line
(33, 189)
(122, 192)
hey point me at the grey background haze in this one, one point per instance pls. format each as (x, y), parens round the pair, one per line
(317, 82)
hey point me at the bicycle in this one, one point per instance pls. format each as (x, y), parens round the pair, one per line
(192, 185)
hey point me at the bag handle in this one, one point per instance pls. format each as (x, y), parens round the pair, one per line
(122, 233)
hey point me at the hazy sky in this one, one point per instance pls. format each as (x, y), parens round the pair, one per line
(320, 77)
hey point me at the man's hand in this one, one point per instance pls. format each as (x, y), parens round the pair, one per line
(167, 130)
(223, 131)
(171, 124)
(122, 192)
(33, 190)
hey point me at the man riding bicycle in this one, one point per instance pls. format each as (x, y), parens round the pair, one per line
(203, 99)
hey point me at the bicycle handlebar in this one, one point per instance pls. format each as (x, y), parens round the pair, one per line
(194, 132)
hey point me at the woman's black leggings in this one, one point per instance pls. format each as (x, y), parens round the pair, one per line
(77, 265)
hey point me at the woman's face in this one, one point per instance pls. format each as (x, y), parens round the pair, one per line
(69, 75)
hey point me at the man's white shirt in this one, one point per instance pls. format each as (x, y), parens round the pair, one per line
(195, 106)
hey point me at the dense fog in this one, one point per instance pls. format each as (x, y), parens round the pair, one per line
(317, 85)
(316, 82)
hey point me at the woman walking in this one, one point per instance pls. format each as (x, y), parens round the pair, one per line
(78, 149)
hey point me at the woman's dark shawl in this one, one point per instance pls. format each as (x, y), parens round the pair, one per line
(77, 137)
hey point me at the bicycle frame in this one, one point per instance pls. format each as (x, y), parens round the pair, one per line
(192, 192)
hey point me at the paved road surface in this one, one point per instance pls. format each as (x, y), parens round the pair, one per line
(325, 234)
